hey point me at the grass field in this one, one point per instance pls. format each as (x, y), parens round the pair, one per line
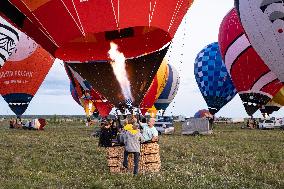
(66, 156)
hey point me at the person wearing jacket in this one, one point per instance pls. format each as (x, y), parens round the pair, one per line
(105, 135)
(132, 140)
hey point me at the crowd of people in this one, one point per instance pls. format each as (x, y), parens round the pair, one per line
(131, 134)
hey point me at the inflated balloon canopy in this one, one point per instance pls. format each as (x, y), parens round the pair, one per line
(140, 70)
(170, 90)
(263, 21)
(254, 81)
(23, 73)
(81, 30)
(202, 114)
(212, 78)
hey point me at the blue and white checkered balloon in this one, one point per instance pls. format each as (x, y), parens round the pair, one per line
(212, 78)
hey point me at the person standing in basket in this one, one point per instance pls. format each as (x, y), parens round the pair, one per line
(150, 132)
(132, 140)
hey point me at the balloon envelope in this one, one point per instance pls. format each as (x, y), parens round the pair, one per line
(264, 26)
(82, 30)
(23, 73)
(212, 78)
(170, 90)
(255, 83)
(202, 114)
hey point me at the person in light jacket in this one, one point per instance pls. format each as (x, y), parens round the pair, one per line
(132, 140)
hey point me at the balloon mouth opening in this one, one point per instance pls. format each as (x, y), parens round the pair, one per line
(105, 82)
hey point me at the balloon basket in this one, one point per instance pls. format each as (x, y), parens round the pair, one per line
(149, 159)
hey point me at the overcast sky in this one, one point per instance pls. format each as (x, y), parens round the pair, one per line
(200, 26)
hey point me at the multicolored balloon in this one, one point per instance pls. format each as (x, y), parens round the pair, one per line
(254, 81)
(170, 90)
(212, 78)
(23, 73)
(203, 114)
(264, 26)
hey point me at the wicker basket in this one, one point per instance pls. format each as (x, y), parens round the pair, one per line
(149, 159)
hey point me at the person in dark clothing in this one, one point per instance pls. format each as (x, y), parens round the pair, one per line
(114, 129)
(105, 135)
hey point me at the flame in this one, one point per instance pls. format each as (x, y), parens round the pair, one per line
(118, 66)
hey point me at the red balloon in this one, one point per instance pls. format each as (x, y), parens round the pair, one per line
(255, 83)
(82, 30)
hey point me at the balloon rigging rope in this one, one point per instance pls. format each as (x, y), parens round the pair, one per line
(73, 18)
(176, 11)
(151, 11)
(78, 18)
(45, 32)
(117, 24)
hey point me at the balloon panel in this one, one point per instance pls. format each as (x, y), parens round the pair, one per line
(212, 78)
(263, 23)
(18, 102)
(253, 80)
(19, 19)
(25, 76)
(156, 88)
(25, 48)
(279, 97)
(9, 37)
(74, 94)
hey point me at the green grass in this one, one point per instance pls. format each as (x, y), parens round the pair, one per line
(66, 156)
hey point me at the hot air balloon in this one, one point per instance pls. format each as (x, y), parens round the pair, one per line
(213, 79)
(155, 90)
(255, 83)
(170, 90)
(9, 37)
(23, 73)
(82, 32)
(264, 26)
(203, 114)
(84, 94)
